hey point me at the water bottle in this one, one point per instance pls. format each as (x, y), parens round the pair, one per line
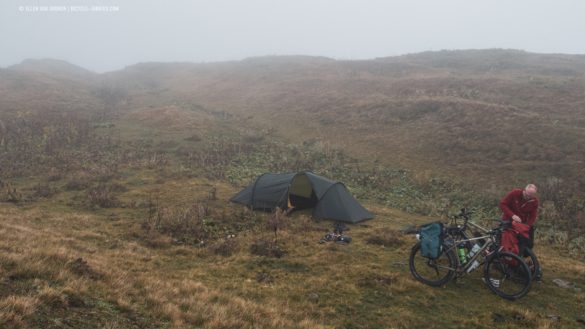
(461, 252)
(473, 266)
(474, 250)
(472, 253)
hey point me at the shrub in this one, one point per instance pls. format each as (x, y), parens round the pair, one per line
(102, 196)
(376, 281)
(267, 249)
(186, 224)
(226, 247)
(82, 268)
(44, 190)
(54, 176)
(8, 193)
(77, 183)
(263, 277)
(194, 138)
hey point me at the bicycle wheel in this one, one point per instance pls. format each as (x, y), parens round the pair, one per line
(533, 264)
(507, 275)
(434, 272)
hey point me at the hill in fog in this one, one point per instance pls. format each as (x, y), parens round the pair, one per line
(499, 114)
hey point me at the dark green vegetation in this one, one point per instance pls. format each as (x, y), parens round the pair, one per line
(131, 170)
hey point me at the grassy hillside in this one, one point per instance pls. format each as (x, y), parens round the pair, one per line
(114, 189)
(492, 114)
(497, 115)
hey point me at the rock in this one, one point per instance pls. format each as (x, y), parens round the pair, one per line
(564, 284)
(264, 277)
(409, 230)
(553, 317)
(498, 318)
(314, 297)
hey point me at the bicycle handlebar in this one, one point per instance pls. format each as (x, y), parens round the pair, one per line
(464, 214)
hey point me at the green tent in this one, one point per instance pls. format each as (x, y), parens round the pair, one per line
(329, 199)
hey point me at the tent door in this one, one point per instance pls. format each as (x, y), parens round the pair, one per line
(301, 194)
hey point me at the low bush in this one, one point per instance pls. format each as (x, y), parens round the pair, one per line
(78, 183)
(267, 249)
(44, 190)
(102, 196)
(225, 247)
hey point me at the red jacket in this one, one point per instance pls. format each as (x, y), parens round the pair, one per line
(515, 204)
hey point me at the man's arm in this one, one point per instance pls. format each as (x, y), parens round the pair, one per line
(508, 213)
(532, 218)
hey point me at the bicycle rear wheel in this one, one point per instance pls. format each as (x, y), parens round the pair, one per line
(434, 272)
(507, 275)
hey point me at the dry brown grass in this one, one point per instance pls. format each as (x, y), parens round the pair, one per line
(48, 260)
(314, 286)
(86, 270)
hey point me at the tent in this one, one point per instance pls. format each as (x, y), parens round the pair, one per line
(329, 199)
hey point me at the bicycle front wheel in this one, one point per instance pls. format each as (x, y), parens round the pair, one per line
(434, 272)
(507, 275)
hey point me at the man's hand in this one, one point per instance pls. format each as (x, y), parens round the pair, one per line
(516, 219)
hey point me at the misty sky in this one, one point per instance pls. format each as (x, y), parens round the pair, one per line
(104, 35)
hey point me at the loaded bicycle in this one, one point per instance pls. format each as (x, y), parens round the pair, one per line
(506, 274)
(468, 229)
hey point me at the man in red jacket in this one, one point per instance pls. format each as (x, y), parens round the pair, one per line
(520, 206)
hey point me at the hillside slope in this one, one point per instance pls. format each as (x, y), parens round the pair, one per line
(114, 189)
(493, 115)
(498, 115)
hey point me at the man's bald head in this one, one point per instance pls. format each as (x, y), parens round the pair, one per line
(530, 191)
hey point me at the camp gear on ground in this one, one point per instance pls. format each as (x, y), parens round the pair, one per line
(335, 237)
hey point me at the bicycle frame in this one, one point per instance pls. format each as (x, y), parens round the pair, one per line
(481, 228)
(463, 269)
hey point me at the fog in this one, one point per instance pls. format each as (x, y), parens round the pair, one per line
(104, 35)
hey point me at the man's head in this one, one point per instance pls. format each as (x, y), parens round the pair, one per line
(530, 191)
